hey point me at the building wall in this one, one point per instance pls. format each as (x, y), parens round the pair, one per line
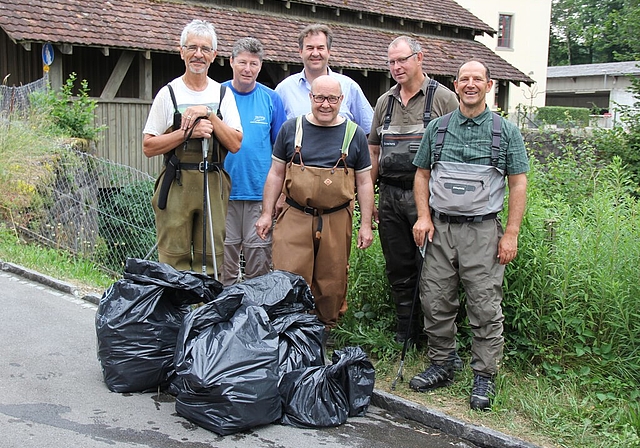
(530, 44)
(606, 92)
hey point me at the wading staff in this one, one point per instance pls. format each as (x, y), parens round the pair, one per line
(416, 295)
(206, 213)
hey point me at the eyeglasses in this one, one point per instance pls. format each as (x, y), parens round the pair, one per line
(332, 99)
(400, 61)
(194, 48)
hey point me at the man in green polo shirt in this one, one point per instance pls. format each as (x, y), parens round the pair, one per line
(459, 190)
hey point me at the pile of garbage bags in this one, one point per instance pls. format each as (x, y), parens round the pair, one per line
(247, 355)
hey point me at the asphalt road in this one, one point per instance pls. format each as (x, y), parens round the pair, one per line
(52, 393)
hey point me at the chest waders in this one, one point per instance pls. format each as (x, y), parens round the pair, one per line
(397, 211)
(464, 192)
(399, 144)
(184, 158)
(312, 234)
(318, 191)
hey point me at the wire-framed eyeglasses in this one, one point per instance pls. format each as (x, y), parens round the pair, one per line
(400, 61)
(194, 48)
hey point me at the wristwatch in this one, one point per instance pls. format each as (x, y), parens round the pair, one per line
(208, 112)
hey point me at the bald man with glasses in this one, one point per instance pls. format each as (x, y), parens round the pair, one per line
(399, 120)
(318, 160)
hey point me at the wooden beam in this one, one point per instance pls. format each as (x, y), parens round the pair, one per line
(65, 48)
(145, 77)
(105, 51)
(26, 45)
(337, 12)
(313, 8)
(365, 73)
(117, 75)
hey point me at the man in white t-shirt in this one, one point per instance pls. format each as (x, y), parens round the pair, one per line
(182, 118)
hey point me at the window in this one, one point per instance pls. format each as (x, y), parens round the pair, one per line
(505, 31)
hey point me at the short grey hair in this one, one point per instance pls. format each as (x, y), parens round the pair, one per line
(315, 28)
(249, 45)
(414, 45)
(200, 28)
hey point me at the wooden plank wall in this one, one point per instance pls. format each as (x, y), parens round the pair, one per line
(121, 142)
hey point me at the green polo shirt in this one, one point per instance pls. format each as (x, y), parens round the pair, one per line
(468, 140)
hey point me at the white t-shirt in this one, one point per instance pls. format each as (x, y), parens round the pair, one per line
(161, 114)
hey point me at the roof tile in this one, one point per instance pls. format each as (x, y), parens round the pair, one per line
(155, 25)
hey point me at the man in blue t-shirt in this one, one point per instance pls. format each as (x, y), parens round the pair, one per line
(262, 114)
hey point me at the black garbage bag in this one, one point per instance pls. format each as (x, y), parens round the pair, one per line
(313, 397)
(138, 320)
(318, 397)
(300, 341)
(227, 370)
(278, 292)
(358, 378)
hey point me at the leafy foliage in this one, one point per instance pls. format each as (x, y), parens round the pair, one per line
(594, 31)
(563, 115)
(70, 116)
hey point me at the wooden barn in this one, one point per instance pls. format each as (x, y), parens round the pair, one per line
(128, 49)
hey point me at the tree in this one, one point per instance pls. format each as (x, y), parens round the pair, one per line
(594, 31)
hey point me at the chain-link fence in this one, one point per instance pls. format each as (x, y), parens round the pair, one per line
(15, 99)
(94, 208)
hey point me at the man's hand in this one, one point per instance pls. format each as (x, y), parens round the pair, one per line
(507, 248)
(423, 228)
(263, 225)
(365, 236)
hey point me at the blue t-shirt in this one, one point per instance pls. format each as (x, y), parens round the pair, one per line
(262, 115)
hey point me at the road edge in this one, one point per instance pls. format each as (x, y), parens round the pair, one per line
(478, 435)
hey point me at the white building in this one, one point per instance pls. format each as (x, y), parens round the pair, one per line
(599, 86)
(522, 39)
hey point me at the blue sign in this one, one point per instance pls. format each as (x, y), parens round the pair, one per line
(47, 54)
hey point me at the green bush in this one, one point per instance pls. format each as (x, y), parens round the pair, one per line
(70, 116)
(563, 116)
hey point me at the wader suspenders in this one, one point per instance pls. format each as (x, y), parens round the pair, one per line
(496, 137)
(426, 115)
(349, 132)
(171, 161)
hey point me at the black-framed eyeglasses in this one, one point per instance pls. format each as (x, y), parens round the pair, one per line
(332, 99)
(194, 48)
(400, 61)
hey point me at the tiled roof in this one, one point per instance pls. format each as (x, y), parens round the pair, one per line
(445, 12)
(155, 25)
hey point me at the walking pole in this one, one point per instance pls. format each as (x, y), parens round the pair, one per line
(213, 241)
(205, 194)
(206, 213)
(416, 295)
